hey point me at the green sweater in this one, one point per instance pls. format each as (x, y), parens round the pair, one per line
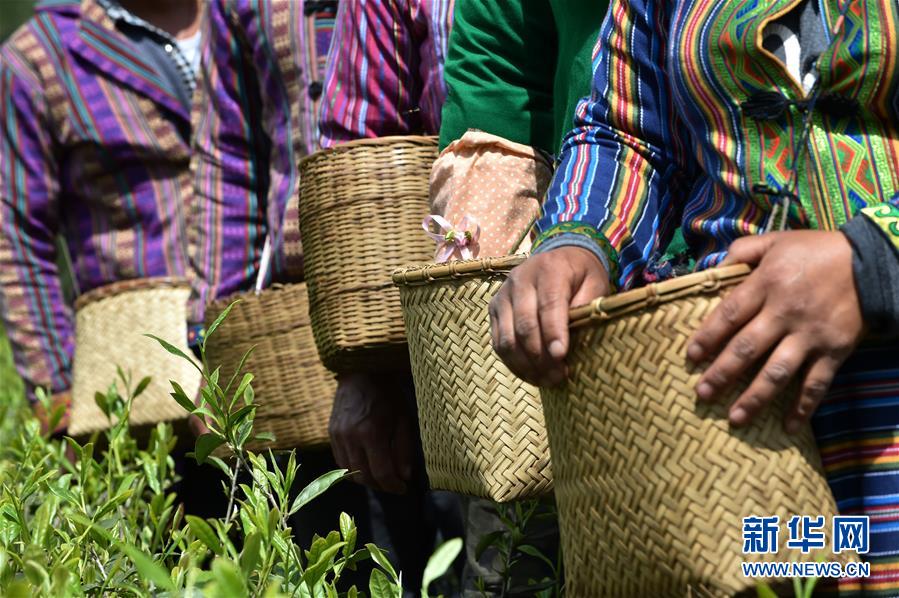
(519, 73)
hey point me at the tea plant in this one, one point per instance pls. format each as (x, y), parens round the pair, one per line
(101, 519)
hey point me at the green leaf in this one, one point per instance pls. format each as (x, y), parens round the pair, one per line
(229, 579)
(221, 318)
(241, 414)
(315, 488)
(36, 573)
(763, 590)
(247, 378)
(204, 532)
(249, 558)
(381, 587)
(142, 386)
(147, 567)
(100, 400)
(316, 571)
(440, 562)
(206, 443)
(381, 559)
(264, 437)
(181, 397)
(533, 552)
(173, 349)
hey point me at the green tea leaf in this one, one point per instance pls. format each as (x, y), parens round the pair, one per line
(381, 559)
(316, 571)
(486, 541)
(249, 558)
(381, 587)
(315, 488)
(218, 321)
(100, 400)
(763, 590)
(205, 445)
(229, 579)
(204, 532)
(142, 386)
(147, 567)
(440, 562)
(173, 349)
(181, 397)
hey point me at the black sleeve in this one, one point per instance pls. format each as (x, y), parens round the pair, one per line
(875, 265)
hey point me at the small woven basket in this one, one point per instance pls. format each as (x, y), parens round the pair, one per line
(293, 390)
(651, 486)
(110, 324)
(362, 207)
(482, 428)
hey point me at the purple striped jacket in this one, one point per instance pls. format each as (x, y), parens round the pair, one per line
(90, 151)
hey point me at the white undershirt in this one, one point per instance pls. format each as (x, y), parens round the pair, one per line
(190, 49)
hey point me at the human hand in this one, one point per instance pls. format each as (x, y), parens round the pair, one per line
(799, 305)
(529, 315)
(372, 430)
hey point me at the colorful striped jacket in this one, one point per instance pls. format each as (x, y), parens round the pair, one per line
(255, 116)
(385, 69)
(663, 142)
(92, 148)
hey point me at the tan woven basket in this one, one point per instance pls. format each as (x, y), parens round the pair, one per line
(651, 486)
(362, 207)
(110, 324)
(294, 392)
(481, 427)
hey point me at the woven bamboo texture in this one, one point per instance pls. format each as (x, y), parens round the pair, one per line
(482, 428)
(293, 390)
(651, 486)
(110, 324)
(362, 207)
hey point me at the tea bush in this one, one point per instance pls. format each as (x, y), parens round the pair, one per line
(101, 519)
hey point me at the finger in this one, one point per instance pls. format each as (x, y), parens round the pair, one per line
(779, 370)
(749, 250)
(503, 331)
(742, 352)
(734, 311)
(358, 465)
(528, 338)
(815, 385)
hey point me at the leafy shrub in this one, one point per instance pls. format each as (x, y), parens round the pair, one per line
(101, 519)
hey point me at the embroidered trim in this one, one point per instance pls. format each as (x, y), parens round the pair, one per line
(580, 228)
(886, 216)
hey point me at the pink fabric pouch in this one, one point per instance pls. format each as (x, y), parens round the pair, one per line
(498, 184)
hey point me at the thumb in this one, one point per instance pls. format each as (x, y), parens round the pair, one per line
(749, 250)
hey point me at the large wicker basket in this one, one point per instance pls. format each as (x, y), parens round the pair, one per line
(482, 428)
(651, 486)
(110, 324)
(360, 218)
(293, 390)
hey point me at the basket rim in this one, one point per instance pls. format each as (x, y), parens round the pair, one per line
(604, 309)
(251, 296)
(127, 286)
(370, 141)
(423, 274)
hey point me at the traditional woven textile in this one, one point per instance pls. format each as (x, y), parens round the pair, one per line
(293, 390)
(362, 207)
(482, 428)
(497, 182)
(110, 324)
(651, 486)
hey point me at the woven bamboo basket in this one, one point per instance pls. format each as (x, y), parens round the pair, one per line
(482, 428)
(362, 207)
(293, 390)
(110, 324)
(651, 486)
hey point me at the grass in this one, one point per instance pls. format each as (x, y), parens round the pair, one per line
(11, 390)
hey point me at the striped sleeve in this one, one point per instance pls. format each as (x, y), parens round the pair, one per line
(36, 317)
(624, 170)
(373, 83)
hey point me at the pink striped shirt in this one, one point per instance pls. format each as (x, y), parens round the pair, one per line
(385, 69)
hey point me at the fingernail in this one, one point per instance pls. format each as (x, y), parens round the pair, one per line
(557, 349)
(694, 352)
(793, 426)
(738, 416)
(705, 391)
